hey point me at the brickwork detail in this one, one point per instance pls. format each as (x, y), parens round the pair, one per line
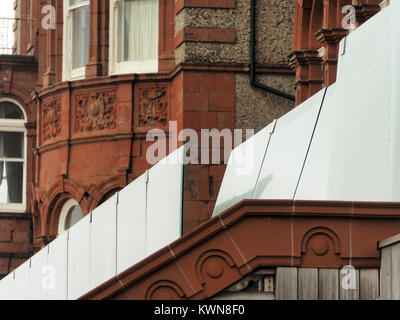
(51, 119)
(95, 112)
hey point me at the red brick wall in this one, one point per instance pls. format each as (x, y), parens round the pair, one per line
(18, 77)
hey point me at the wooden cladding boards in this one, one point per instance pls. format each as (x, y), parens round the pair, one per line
(325, 284)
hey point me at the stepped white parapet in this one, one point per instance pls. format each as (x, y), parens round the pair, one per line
(343, 143)
(142, 218)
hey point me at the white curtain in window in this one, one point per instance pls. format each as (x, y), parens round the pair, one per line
(80, 37)
(137, 30)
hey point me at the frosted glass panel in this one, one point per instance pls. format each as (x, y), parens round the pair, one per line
(131, 243)
(361, 150)
(7, 287)
(103, 242)
(57, 260)
(395, 96)
(287, 151)
(314, 181)
(164, 202)
(242, 171)
(39, 271)
(22, 281)
(79, 259)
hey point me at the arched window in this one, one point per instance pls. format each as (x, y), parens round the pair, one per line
(12, 157)
(71, 213)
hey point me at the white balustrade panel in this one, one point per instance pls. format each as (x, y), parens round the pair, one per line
(22, 281)
(243, 169)
(7, 287)
(79, 259)
(141, 219)
(43, 276)
(360, 164)
(131, 224)
(103, 242)
(394, 9)
(287, 150)
(58, 260)
(164, 202)
(314, 181)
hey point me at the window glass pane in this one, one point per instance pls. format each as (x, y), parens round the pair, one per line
(11, 182)
(9, 110)
(11, 145)
(137, 30)
(74, 215)
(80, 37)
(74, 2)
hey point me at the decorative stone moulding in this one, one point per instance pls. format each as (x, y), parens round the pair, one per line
(256, 234)
(95, 112)
(51, 119)
(151, 107)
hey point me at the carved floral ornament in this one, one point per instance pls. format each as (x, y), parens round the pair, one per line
(153, 107)
(51, 119)
(95, 112)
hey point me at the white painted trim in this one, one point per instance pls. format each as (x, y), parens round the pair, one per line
(126, 67)
(64, 214)
(69, 74)
(16, 126)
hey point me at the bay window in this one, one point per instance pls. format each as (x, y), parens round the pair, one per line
(12, 157)
(134, 36)
(76, 38)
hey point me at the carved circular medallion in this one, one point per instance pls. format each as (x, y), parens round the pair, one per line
(320, 245)
(214, 269)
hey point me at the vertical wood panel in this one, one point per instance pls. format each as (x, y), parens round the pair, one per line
(308, 284)
(328, 284)
(349, 294)
(395, 275)
(286, 284)
(386, 271)
(369, 284)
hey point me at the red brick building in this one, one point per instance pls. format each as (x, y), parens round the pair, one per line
(89, 88)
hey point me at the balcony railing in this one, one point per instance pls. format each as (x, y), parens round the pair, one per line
(10, 29)
(7, 28)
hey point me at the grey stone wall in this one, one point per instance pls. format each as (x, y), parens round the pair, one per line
(254, 108)
(274, 33)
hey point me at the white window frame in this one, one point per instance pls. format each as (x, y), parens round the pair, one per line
(68, 73)
(15, 125)
(126, 67)
(64, 214)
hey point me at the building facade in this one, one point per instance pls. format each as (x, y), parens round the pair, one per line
(86, 80)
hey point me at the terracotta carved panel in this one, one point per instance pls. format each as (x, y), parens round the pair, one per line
(95, 112)
(51, 119)
(152, 105)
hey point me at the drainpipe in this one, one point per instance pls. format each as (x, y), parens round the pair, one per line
(253, 42)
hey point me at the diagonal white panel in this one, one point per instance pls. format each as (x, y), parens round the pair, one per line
(103, 242)
(131, 224)
(243, 168)
(41, 278)
(57, 262)
(287, 150)
(395, 96)
(79, 259)
(314, 180)
(164, 202)
(22, 281)
(360, 164)
(7, 287)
